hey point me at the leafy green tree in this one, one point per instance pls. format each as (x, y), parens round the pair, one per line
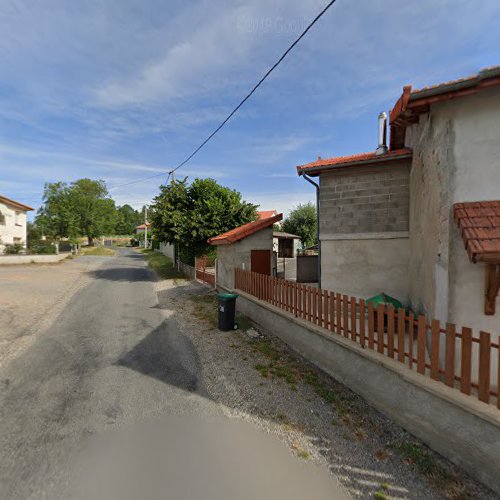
(82, 208)
(127, 220)
(302, 222)
(189, 214)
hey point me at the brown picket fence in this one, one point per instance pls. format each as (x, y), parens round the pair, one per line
(445, 353)
(205, 270)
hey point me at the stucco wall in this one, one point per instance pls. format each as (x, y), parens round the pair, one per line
(477, 178)
(456, 159)
(168, 250)
(432, 167)
(365, 200)
(13, 226)
(238, 255)
(366, 267)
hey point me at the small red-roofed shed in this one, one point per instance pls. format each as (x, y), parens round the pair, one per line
(248, 247)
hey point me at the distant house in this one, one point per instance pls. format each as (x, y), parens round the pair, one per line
(142, 228)
(248, 247)
(285, 245)
(420, 220)
(13, 222)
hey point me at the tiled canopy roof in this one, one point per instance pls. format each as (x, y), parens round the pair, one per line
(243, 231)
(479, 225)
(361, 159)
(143, 226)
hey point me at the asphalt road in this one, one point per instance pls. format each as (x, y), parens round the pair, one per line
(109, 402)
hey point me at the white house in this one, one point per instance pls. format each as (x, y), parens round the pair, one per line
(13, 222)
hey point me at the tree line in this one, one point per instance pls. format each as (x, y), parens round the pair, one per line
(83, 208)
(183, 214)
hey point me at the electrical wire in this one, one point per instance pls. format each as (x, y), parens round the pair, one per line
(245, 99)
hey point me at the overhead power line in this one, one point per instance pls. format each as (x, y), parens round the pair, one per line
(245, 99)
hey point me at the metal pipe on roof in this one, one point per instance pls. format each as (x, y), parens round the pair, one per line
(308, 179)
(382, 134)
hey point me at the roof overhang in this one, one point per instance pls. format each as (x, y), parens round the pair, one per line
(15, 204)
(354, 161)
(244, 231)
(412, 103)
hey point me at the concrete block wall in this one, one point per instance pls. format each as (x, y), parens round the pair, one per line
(365, 200)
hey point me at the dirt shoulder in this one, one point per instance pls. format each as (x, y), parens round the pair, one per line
(262, 380)
(33, 295)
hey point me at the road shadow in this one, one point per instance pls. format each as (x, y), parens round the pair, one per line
(130, 274)
(166, 355)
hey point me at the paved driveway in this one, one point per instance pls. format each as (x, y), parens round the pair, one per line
(113, 390)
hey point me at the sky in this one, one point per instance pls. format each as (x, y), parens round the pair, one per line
(124, 89)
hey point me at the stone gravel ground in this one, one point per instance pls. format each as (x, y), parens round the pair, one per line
(33, 295)
(263, 381)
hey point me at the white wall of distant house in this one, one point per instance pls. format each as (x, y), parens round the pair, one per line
(12, 226)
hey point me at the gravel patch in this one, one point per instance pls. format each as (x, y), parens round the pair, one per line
(32, 296)
(256, 377)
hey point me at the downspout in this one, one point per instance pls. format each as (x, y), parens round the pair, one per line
(308, 179)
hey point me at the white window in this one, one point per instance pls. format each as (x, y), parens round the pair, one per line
(18, 219)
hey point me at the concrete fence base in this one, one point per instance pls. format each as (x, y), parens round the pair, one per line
(32, 259)
(462, 429)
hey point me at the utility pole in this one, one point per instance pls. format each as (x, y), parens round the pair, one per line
(145, 226)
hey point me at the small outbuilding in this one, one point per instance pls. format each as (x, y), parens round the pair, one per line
(248, 247)
(285, 244)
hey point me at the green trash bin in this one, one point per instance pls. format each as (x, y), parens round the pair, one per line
(227, 311)
(385, 300)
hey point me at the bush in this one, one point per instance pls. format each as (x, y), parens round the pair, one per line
(13, 249)
(43, 248)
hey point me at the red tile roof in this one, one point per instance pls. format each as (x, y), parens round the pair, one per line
(479, 225)
(143, 226)
(243, 231)
(413, 103)
(16, 204)
(362, 159)
(266, 214)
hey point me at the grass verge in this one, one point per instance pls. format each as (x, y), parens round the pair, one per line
(161, 264)
(205, 308)
(422, 459)
(100, 251)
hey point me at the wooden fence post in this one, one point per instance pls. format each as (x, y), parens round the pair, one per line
(435, 334)
(338, 300)
(371, 325)
(362, 321)
(380, 328)
(345, 318)
(401, 335)
(421, 342)
(466, 365)
(484, 366)
(390, 331)
(332, 312)
(354, 320)
(449, 365)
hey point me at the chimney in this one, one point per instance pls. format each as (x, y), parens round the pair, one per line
(382, 134)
